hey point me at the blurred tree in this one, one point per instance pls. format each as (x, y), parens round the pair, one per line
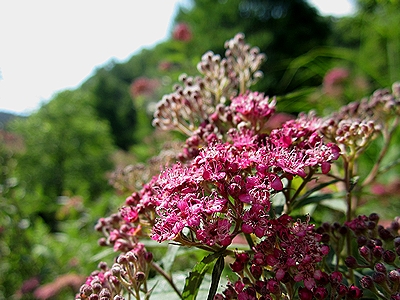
(67, 150)
(283, 29)
(112, 103)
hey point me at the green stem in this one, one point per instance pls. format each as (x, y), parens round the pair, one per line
(348, 171)
(387, 137)
(288, 204)
(167, 277)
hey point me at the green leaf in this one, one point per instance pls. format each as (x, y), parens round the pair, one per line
(314, 199)
(169, 257)
(216, 275)
(305, 199)
(193, 281)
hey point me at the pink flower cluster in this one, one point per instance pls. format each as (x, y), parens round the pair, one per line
(226, 189)
(289, 254)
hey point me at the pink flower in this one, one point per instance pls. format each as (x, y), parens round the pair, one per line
(333, 81)
(182, 32)
(143, 86)
(217, 232)
(130, 214)
(254, 107)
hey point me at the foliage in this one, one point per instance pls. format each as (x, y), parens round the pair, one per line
(67, 152)
(249, 195)
(351, 56)
(275, 26)
(31, 254)
(112, 103)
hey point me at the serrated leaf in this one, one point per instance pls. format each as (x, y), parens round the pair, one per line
(195, 277)
(216, 275)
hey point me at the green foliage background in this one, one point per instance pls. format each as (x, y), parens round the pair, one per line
(53, 185)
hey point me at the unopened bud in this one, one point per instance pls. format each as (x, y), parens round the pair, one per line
(86, 290)
(355, 292)
(105, 293)
(377, 251)
(389, 256)
(140, 276)
(394, 276)
(374, 217)
(102, 242)
(378, 277)
(380, 267)
(385, 235)
(116, 270)
(351, 262)
(367, 282)
(102, 265)
(94, 297)
(96, 286)
(364, 252)
(148, 256)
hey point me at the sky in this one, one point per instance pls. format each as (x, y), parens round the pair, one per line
(47, 46)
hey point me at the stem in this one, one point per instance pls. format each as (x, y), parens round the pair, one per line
(348, 171)
(288, 208)
(387, 136)
(167, 277)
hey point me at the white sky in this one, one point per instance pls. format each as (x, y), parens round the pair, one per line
(49, 45)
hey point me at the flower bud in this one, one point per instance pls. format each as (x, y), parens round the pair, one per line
(377, 251)
(305, 294)
(355, 292)
(256, 271)
(86, 290)
(325, 238)
(371, 225)
(242, 257)
(397, 241)
(364, 252)
(394, 276)
(140, 276)
(380, 267)
(116, 270)
(335, 277)
(385, 234)
(102, 242)
(105, 293)
(395, 225)
(273, 287)
(374, 217)
(361, 240)
(237, 266)
(122, 259)
(341, 289)
(102, 265)
(343, 230)
(367, 282)
(395, 296)
(351, 262)
(130, 256)
(379, 277)
(320, 292)
(94, 297)
(148, 256)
